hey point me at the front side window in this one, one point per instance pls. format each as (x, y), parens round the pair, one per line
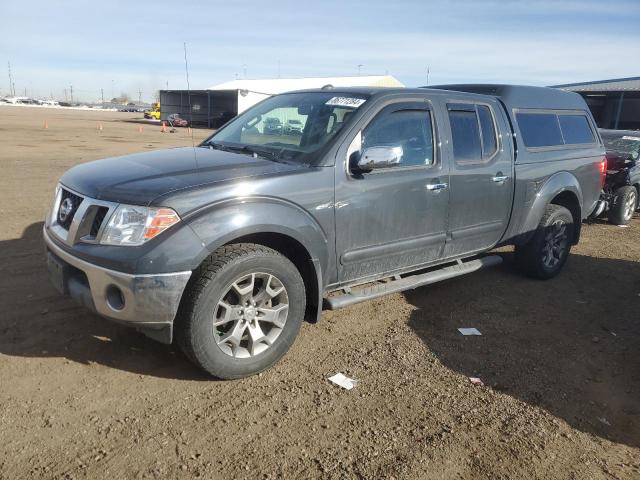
(293, 126)
(409, 129)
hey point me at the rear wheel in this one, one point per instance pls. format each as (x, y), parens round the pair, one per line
(546, 253)
(243, 312)
(625, 202)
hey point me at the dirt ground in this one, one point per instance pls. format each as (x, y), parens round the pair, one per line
(81, 397)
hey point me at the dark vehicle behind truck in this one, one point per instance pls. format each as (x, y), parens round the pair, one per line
(622, 186)
(226, 247)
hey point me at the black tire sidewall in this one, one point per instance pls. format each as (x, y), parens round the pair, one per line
(616, 212)
(529, 256)
(559, 213)
(208, 354)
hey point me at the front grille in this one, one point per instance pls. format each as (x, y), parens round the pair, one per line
(65, 215)
(97, 221)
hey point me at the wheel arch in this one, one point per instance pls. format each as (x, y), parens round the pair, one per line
(289, 229)
(562, 188)
(569, 200)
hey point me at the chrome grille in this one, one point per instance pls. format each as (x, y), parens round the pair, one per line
(84, 218)
(75, 201)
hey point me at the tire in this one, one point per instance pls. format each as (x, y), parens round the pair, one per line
(546, 253)
(250, 291)
(625, 202)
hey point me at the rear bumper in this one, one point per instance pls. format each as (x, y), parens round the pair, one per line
(146, 302)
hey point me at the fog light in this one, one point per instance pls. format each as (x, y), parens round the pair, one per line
(115, 297)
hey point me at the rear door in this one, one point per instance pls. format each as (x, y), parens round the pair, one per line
(481, 177)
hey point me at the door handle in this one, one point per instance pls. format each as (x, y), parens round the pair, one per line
(437, 186)
(500, 178)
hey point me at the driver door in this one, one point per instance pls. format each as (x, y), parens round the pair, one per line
(392, 218)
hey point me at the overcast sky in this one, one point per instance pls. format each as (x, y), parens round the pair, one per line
(127, 46)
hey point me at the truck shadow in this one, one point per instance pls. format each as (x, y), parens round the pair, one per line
(37, 322)
(568, 345)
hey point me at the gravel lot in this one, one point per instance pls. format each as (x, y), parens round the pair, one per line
(85, 398)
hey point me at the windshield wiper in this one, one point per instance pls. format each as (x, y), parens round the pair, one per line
(266, 154)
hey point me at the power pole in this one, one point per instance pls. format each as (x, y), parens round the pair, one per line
(71, 92)
(360, 68)
(427, 75)
(65, 95)
(12, 87)
(102, 94)
(139, 95)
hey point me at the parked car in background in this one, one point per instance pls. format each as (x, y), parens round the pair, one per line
(272, 126)
(227, 247)
(175, 120)
(622, 185)
(293, 127)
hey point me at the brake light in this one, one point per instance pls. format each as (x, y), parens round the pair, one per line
(603, 171)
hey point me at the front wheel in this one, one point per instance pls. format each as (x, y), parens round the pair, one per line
(625, 202)
(546, 253)
(242, 312)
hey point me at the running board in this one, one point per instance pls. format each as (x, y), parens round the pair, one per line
(410, 282)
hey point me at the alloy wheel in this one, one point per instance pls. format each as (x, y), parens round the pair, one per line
(630, 205)
(556, 243)
(251, 315)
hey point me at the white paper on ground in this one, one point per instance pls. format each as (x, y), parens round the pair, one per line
(469, 331)
(343, 381)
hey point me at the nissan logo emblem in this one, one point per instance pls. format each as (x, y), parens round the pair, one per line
(65, 210)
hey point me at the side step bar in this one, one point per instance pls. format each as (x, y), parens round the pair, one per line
(410, 282)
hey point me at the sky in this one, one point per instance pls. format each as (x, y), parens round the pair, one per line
(134, 46)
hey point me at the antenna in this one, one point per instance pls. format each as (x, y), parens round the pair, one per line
(186, 69)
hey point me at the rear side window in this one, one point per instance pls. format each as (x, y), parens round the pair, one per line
(465, 134)
(540, 129)
(575, 129)
(552, 130)
(489, 141)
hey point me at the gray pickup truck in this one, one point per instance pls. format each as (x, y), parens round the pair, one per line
(226, 247)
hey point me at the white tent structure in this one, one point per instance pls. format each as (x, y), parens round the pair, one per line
(215, 105)
(251, 92)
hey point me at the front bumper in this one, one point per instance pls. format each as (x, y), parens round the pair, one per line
(146, 302)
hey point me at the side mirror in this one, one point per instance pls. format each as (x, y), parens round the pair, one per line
(373, 158)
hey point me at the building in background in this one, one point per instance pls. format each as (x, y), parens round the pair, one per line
(216, 105)
(614, 103)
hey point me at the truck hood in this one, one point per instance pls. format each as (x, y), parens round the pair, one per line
(142, 177)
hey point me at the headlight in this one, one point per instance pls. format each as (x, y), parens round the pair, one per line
(134, 225)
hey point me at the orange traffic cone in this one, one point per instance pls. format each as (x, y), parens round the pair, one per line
(46, 125)
(164, 127)
(189, 130)
(99, 127)
(140, 129)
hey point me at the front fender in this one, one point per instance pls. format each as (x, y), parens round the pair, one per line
(228, 220)
(538, 197)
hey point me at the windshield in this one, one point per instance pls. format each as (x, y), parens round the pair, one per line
(623, 144)
(290, 127)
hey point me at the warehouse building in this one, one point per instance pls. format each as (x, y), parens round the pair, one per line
(214, 106)
(614, 103)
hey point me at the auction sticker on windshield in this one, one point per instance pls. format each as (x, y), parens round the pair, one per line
(626, 137)
(346, 101)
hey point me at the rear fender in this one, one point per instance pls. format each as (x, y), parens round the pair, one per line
(554, 186)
